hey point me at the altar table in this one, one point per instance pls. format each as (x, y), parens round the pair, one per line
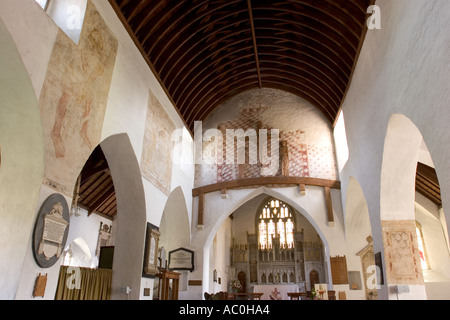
(275, 291)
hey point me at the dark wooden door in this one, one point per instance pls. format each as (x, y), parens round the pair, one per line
(313, 278)
(241, 278)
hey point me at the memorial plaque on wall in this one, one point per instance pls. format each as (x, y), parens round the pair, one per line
(51, 230)
(181, 259)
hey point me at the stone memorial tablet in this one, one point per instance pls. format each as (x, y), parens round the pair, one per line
(181, 259)
(51, 230)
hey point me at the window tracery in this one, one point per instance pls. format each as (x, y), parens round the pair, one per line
(276, 221)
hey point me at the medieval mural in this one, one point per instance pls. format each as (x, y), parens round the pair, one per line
(74, 97)
(158, 146)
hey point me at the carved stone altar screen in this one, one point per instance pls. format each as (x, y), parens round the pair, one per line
(278, 254)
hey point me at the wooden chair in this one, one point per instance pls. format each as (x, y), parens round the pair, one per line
(222, 295)
(331, 295)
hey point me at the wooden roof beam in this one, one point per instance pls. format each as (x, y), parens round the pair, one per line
(255, 46)
(266, 181)
(101, 199)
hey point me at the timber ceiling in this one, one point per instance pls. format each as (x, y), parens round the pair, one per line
(96, 191)
(427, 183)
(206, 51)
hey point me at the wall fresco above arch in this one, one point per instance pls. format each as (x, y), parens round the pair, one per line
(74, 98)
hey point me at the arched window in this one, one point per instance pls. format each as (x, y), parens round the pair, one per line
(67, 14)
(275, 221)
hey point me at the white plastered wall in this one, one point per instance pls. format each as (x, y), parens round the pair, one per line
(403, 69)
(126, 112)
(34, 34)
(22, 153)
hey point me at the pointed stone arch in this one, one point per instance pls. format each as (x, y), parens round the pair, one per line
(357, 219)
(401, 156)
(211, 227)
(174, 225)
(358, 232)
(398, 172)
(21, 161)
(78, 254)
(131, 216)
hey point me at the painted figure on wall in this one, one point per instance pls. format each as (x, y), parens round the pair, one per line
(74, 97)
(284, 156)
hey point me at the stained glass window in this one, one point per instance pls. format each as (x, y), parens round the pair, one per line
(263, 232)
(271, 228)
(281, 232)
(290, 233)
(276, 221)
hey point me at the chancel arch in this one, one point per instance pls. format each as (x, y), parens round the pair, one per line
(313, 249)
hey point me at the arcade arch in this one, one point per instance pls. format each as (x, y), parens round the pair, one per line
(402, 202)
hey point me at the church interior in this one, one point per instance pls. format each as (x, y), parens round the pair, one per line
(224, 150)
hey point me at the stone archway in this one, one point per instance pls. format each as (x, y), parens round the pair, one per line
(174, 225)
(410, 197)
(240, 197)
(358, 232)
(397, 209)
(21, 162)
(131, 216)
(175, 233)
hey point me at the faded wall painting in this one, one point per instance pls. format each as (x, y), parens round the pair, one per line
(292, 148)
(305, 145)
(74, 98)
(401, 252)
(156, 163)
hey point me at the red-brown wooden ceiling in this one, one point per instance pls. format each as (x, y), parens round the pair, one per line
(206, 51)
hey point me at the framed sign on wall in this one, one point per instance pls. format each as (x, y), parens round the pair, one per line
(181, 259)
(151, 251)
